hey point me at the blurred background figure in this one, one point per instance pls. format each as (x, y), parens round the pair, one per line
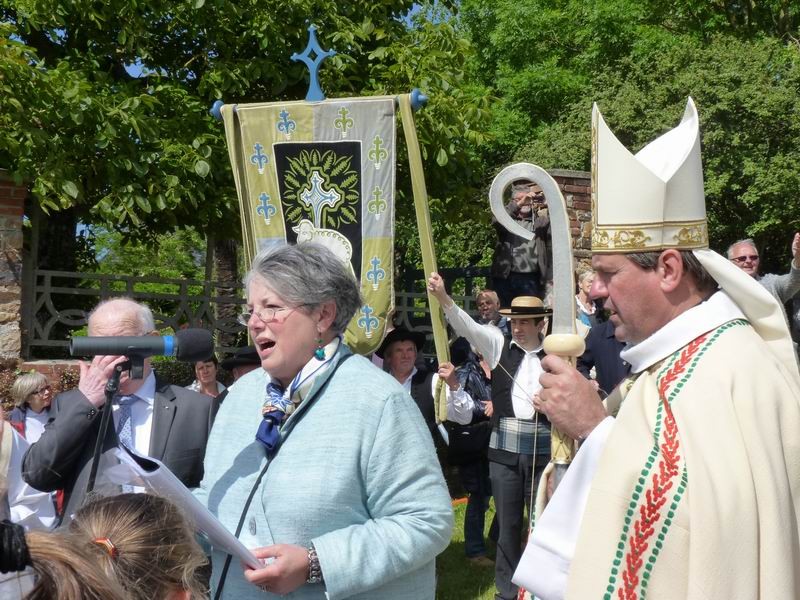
(205, 372)
(32, 396)
(45, 566)
(242, 362)
(601, 362)
(744, 255)
(468, 449)
(19, 502)
(587, 308)
(488, 303)
(145, 543)
(523, 267)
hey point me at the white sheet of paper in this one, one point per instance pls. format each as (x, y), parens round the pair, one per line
(151, 474)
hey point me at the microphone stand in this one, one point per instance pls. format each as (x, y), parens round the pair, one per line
(136, 366)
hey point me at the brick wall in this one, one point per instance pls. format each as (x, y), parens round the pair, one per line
(12, 202)
(577, 191)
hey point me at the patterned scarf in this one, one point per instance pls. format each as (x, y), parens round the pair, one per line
(280, 402)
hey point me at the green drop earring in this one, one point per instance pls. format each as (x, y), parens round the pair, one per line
(319, 353)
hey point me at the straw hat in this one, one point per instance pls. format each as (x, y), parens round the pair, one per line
(526, 307)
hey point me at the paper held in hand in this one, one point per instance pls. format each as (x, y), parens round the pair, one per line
(149, 473)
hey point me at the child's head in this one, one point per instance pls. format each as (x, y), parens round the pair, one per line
(67, 573)
(42, 565)
(145, 542)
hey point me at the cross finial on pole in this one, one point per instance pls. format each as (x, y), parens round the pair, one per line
(314, 91)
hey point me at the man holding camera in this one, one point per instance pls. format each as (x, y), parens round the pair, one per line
(523, 267)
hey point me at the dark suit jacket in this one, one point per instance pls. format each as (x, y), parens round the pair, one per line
(602, 353)
(62, 457)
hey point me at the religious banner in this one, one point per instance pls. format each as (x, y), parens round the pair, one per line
(322, 172)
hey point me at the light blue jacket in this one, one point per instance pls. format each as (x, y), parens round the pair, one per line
(356, 474)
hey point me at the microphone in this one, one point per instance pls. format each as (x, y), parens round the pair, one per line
(187, 345)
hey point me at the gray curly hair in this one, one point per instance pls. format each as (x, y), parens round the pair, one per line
(308, 274)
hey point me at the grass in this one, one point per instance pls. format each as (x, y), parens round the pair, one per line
(457, 579)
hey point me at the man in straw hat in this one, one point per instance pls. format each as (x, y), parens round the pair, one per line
(519, 446)
(686, 482)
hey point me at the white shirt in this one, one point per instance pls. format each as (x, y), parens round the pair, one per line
(488, 340)
(29, 507)
(34, 424)
(526, 383)
(141, 415)
(459, 403)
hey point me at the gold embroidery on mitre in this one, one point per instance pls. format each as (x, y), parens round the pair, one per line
(594, 171)
(692, 236)
(600, 239)
(630, 238)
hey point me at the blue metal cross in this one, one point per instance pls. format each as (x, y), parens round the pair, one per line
(266, 208)
(375, 274)
(368, 323)
(286, 125)
(259, 159)
(314, 91)
(315, 197)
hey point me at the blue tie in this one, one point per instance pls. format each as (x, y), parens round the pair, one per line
(273, 412)
(124, 430)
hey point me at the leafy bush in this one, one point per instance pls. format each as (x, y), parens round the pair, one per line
(173, 371)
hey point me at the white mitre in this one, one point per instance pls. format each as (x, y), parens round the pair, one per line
(652, 200)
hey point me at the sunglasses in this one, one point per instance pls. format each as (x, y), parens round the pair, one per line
(741, 259)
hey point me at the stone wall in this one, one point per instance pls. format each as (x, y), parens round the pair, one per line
(12, 202)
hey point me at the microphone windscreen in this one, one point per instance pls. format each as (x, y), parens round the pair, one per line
(194, 345)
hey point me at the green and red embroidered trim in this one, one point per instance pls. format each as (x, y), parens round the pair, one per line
(632, 584)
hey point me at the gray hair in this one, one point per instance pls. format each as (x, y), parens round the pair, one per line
(746, 241)
(25, 385)
(141, 312)
(308, 274)
(706, 284)
(584, 274)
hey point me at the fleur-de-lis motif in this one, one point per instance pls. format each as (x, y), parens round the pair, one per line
(377, 205)
(286, 125)
(344, 122)
(377, 152)
(266, 208)
(368, 323)
(258, 158)
(375, 274)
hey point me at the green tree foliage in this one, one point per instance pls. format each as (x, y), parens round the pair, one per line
(183, 252)
(639, 61)
(141, 154)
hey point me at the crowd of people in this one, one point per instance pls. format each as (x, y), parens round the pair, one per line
(329, 467)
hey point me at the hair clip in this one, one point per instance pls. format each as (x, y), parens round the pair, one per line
(108, 546)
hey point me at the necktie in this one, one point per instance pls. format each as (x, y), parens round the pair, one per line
(273, 412)
(124, 430)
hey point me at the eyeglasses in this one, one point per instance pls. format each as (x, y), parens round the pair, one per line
(41, 391)
(741, 259)
(265, 315)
